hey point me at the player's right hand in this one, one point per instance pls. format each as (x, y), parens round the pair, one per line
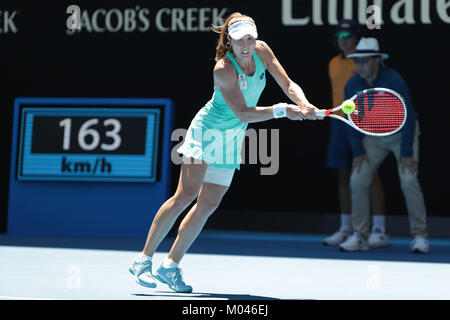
(309, 112)
(293, 112)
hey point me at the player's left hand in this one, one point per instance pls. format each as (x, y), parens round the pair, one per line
(408, 162)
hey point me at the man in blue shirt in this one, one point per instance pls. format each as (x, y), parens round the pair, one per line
(369, 152)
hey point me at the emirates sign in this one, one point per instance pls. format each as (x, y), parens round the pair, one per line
(399, 12)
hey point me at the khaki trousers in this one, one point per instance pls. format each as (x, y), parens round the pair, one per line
(377, 149)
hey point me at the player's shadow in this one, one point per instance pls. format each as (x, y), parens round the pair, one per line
(206, 295)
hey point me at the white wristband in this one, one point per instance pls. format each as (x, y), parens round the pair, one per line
(279, 110)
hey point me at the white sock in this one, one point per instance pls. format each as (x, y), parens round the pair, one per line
(143, 257)
(346, 222)
(379, 222)
(168, 263)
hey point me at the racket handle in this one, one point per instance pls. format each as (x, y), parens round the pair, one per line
(321, 113)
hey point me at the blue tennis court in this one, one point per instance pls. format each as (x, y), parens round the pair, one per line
(223, 266)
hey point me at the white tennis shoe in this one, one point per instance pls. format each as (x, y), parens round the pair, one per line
(378, 239)
(420, 245)
(336, 238)
(354, 243)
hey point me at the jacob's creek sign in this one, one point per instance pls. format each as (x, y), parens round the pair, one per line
(140, 19)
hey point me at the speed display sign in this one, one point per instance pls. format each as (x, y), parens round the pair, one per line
(89, 140)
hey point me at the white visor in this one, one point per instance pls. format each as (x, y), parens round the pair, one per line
(239, 29)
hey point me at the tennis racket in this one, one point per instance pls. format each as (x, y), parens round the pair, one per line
(379, 112)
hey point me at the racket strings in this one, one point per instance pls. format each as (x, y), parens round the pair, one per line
(378, 112)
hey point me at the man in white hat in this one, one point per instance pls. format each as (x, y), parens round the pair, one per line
(370, 152)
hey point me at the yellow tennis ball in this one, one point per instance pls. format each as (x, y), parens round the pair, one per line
(348, 107)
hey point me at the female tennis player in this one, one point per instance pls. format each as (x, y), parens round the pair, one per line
(239, 79)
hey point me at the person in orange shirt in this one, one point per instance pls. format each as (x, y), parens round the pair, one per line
(339, 155)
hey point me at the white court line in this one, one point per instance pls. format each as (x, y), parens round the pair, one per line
(25, 298)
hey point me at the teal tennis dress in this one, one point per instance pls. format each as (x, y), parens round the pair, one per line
(216, 134)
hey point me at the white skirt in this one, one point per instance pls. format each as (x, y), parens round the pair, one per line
(220, 176)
